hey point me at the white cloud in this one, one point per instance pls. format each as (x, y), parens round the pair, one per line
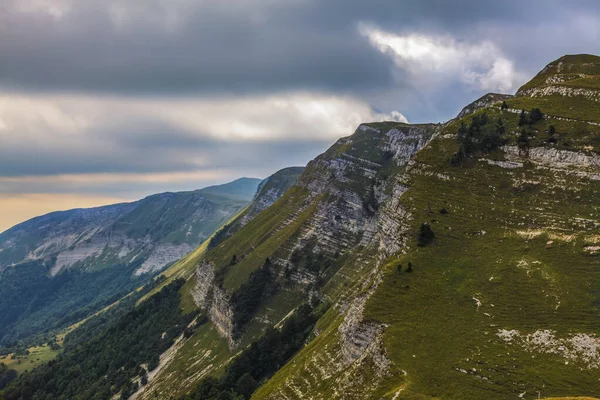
(65, 119)
(54, 8)
(430, 59)
(129, 147)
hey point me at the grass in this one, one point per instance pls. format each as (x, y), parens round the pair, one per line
(38, 355)
(512, 239)
(440, 343)
(204, 353)
(259, 238)
(435, 328)
(570, 67)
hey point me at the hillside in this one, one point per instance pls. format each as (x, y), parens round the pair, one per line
(504, 302)
(431, 261)
(79, 260)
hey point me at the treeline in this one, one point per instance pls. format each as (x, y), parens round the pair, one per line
(484, 135)
(481, 136)
(113, 361)
(6, 375)
(247, 298)
(104, 320)
(259, 361)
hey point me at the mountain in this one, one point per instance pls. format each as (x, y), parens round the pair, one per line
(269, 191)
(429, 261)
(77, 260)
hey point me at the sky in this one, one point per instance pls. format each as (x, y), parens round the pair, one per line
(104, 101)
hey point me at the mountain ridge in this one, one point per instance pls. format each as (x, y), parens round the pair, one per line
(97, 255)
(450, 261)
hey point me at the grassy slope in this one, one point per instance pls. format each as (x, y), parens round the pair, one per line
(435, 326)
(206, 352)
(510, 240)
(38, 355)
(524, 283)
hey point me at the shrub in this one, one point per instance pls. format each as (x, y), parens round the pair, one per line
(535, 115)
(426, 235)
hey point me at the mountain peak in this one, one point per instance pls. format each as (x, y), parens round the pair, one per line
(484, 101)
(576, 71)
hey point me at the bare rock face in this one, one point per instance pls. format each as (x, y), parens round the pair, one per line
(211, 298)
(353, 215)
(271, 190)
(565, 91)
(363, 215)
(361, 338)
(557, 158)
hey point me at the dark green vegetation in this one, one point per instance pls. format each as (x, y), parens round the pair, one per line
(95, 325)
(52, 303)
(426, 235)
(248, 297)
(259, 361)
(6, 375)
(481, 136)
(107, 363)
(267, 193)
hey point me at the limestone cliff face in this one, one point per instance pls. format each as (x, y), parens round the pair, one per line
(270, 190)
(565, 91)
(361, 179)
(557, 158)
(359, 192)
(211, 298)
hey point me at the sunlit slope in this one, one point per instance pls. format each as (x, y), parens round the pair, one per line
(505, 301)
(320, 239)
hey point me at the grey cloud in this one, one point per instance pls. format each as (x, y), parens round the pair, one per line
(196, 48)
(211, 49)
(244, 46)
(227, 161)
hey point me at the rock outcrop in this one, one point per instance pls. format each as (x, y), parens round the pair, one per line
(213, 300)
(483, 102)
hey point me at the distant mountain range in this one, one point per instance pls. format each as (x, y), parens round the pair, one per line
(61, 266)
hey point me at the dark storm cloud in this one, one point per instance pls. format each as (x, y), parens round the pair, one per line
(197, 46)
(206, 48)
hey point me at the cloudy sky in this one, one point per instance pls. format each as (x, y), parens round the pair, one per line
(111, 100)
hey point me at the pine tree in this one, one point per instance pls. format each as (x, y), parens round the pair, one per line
(535, 115)
(426, 235)
(551, 134)
(504, 106)
(523, 140)
(523, 119)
